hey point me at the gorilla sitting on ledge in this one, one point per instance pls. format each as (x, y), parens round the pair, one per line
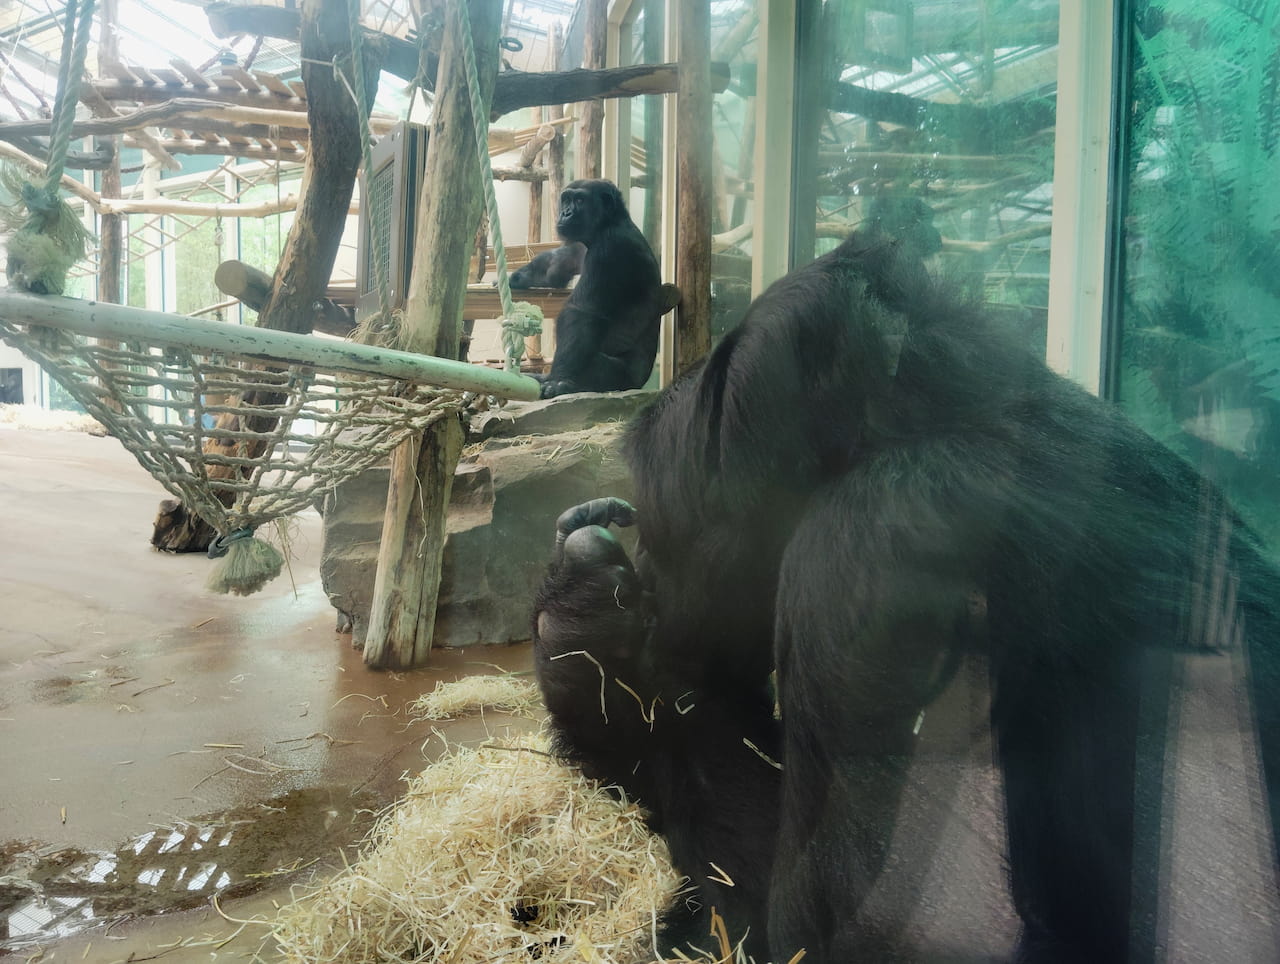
(607, 331)
(863, 482)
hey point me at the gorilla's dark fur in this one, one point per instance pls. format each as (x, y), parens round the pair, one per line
(607, 332)
(551, 269)
(864, 481)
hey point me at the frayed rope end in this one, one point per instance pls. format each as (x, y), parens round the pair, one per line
(246, 564)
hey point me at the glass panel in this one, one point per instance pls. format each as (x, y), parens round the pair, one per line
(734, 28)
(197, 252)
(642, 43)
(1200, 310)
(935, 120)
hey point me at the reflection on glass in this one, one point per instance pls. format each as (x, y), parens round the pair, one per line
(734, 43)
(936, 122)
(1200, 312)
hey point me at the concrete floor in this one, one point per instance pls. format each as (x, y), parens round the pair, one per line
(142, 717)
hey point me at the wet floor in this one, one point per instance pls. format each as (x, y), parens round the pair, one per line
(159, 744)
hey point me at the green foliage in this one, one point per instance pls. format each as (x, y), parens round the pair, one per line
(1202, 232)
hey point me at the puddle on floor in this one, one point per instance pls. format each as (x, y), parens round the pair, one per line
(48, 894)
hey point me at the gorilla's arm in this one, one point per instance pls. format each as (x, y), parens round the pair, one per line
(708, 759)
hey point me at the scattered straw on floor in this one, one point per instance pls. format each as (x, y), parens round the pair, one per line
(499, 853)
(447, 701)
(48, 420)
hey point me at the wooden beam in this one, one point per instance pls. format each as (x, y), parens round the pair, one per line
(402, 614)
(693, 180)
(329, 174)
(517, 89)
(252, 286)
(595, 14)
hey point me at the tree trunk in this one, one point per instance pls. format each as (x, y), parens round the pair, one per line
(402, 614)
(591, 112)
(328, 178)
(693, 180)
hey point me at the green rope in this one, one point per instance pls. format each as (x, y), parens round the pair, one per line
(64, 105)
(46, 236)
(380, 238)
(520, 320)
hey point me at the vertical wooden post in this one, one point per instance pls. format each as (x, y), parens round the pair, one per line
(555, 165)
(329, 173)
(555, 150)
(407, 584)
(654, 28)
(534, 232)
(533, 343)
(110, 229)
(693, 182)
(591, 119)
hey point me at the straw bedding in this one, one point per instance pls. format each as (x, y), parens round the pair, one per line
(496, 853)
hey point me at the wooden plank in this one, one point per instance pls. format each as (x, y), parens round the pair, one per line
(298, 89)
(273, 83)
(227, 84)
(196, 78)
(146, 76)
(242, 77)
(121, 73)
(170, 78)
(482, 301)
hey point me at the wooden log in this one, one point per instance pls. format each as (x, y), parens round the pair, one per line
(328, 177)
(101, 108)
(693, 178)
(403, 611)
(533, 147)
(217, 148)
(595, 15)
(514, 90)
(654, 31)
(651, 222)
(185, 113)
(533, 231)
(555, 113)
(253, 287)
(110, 231)
(517, 88)
(229, 20)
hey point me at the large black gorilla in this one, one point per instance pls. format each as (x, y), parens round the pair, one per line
(865, 481)
(607, 331)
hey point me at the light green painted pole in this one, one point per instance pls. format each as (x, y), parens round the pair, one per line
(99, 319)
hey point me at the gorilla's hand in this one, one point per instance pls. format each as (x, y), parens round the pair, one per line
(597, 512)
(593, 618)
(560, 386)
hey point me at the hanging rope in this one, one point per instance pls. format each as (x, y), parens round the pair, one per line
(524, 319)
(376, 214)
(46, 237)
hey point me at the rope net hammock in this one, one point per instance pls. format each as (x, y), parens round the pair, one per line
(239, 437)
(245, 434)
